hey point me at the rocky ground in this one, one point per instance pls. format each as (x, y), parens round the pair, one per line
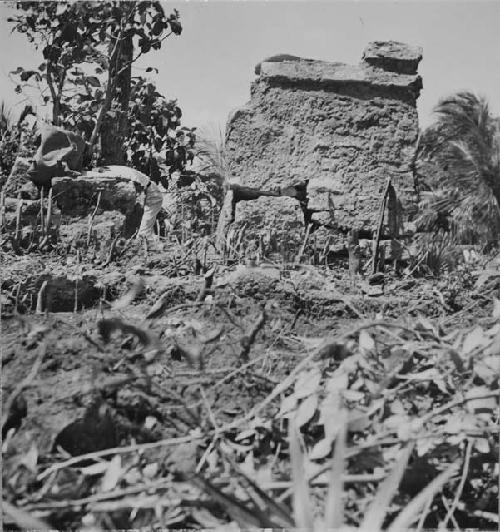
(150, 387)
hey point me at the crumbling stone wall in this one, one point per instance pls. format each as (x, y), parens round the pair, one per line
(340, 129)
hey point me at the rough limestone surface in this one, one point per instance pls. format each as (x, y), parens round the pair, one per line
(343, 129)
(78, 195)
(283, 216)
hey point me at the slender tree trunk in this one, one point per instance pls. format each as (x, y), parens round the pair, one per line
(115, 130)
(120, 69)
(54, 95)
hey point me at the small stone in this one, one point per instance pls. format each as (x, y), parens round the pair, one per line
(372, 290)
(376, 279)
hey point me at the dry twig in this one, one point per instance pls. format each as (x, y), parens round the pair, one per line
(247, 341)
(460, 487)
(119, 450)
(91, 219)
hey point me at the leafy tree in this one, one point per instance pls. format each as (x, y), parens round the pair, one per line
(88, 50)
(153, 138)
(460, 155)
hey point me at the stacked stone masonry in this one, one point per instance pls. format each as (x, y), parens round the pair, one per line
(341, 129)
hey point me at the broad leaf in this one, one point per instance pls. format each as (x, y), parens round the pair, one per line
(306, 410)
(307, 382)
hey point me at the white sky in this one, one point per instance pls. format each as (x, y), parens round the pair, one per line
(209, 68)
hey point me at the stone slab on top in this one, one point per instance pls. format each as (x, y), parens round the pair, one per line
(384, 64)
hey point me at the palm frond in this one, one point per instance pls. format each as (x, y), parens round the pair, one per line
(461, 152)
(6, 118)
(211, 152)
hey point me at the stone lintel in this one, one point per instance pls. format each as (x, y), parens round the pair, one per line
(324, 73)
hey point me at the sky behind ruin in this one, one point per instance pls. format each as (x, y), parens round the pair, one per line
(209, 68)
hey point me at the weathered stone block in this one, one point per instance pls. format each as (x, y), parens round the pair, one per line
(325, 192)
(78, 196)
(271, 212)
(280, 220)
(342, 128)
(395, 56)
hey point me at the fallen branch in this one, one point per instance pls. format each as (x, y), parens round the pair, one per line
(164, 482)
(318, 482)
(118, 450)
(460, 488)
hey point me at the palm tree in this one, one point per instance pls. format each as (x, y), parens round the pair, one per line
(460, 155)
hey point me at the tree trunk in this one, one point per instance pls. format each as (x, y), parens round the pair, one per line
(114, 129)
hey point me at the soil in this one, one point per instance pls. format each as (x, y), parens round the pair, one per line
(101, 385)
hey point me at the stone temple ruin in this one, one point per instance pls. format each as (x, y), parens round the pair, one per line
(324, 138)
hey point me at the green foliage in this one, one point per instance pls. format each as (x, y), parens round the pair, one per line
(84, 50)
(459, 156)
(153, 138)
(367, 377)
(437, 253)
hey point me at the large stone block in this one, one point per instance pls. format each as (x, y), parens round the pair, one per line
(342, 128)
(396, 56)
(78, 195)
(325, 73)
(270, 212)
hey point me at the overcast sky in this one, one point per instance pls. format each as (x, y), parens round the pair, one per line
(209, 68)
